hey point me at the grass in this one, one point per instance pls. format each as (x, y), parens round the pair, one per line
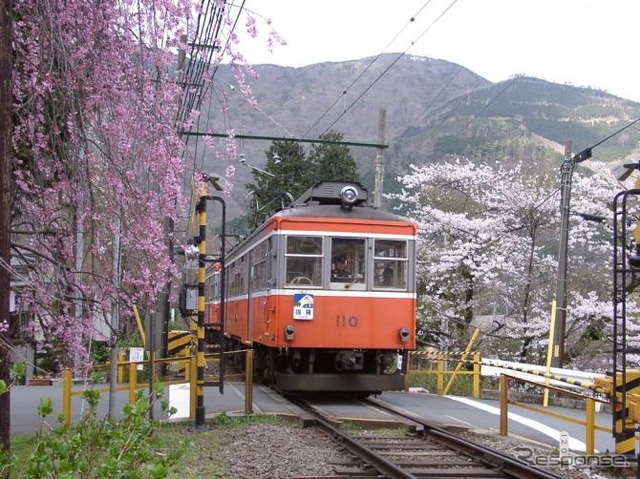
(461, 386)
(22, 445)
(200, 448)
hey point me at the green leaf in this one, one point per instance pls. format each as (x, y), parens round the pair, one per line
(45, 407)
(19, 369)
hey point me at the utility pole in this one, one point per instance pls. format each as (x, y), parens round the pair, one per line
(6, 64)
(559, 310)
(560, 316)
(379, 172)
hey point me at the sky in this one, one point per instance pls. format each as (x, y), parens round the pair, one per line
(585, 43)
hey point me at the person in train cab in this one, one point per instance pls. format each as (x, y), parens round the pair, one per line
(387, 277)
(339, 273)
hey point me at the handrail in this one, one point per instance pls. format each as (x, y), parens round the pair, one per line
(133, 385)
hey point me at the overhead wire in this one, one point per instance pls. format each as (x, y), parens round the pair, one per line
(507, 85)
(205, 42)
(344, 92)
(424, 32)
(614, 134)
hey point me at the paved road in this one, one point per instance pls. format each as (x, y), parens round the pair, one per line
(25, 399)
(483, 414)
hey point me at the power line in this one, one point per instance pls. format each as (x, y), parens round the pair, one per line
(344, 92)
(586, 153)
(424, 32)
(507, 85)
(206, 38)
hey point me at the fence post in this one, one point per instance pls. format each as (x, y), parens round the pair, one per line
(590, 407)
(66, 396)
(248, 382)
(133, 382)
(440, 374)
(504, 402)
(187, 364)
(476, 376)
(121, 358)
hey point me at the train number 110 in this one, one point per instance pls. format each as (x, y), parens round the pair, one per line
(344, 322)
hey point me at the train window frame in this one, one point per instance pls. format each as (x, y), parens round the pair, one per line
(303, 261)
(355, 251)
(391, 263)
(261, 267)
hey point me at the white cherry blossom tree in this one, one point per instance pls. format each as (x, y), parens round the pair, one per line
(487, 255)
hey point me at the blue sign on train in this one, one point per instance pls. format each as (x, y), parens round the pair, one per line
(302, 306)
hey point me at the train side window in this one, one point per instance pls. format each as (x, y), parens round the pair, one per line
(390, 262)
(303, 258)
(260, 275)
(235, 279)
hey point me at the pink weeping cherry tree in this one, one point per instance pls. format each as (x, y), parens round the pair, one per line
(98, 157)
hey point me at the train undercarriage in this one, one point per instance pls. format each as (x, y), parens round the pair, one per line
(361, 371)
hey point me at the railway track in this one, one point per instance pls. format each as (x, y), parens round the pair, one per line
(424, 451)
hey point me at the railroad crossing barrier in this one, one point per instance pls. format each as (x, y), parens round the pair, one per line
(427, 363)
(564, 382)
(589, 404)
(571, 378)
(627, 413)
(181, 344)
(132, 385)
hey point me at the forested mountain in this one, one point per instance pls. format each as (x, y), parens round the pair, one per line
(435, 110)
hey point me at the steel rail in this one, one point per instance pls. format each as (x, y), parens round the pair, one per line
(510, 465)
(388, 469)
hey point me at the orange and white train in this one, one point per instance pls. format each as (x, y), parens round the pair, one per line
(312, 328)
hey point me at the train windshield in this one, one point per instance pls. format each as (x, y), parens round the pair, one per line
(390, 261)
(304, 261)
(348, 263)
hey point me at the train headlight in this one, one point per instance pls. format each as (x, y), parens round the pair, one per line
(404, 334)
(348, 195)
(289, 332)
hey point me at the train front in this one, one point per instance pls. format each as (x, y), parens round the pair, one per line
(342, 317)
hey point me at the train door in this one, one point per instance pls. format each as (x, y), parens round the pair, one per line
(249, 271)
(348, 264)
(261, 282)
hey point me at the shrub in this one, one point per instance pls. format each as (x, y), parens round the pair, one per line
(97, 448)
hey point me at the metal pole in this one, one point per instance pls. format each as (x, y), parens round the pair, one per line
(559, 319)
(152, 362)
(202, 243)
(115, 322)
(379, 172)
(504, 405)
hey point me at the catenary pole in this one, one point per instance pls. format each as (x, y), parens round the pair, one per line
(560, 316)
(382, 125)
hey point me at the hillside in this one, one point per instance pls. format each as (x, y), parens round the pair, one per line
(435, 110)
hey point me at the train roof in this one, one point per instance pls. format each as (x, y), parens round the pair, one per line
(317, 210)
(333, 193)
(324, 200)
(337, 199)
